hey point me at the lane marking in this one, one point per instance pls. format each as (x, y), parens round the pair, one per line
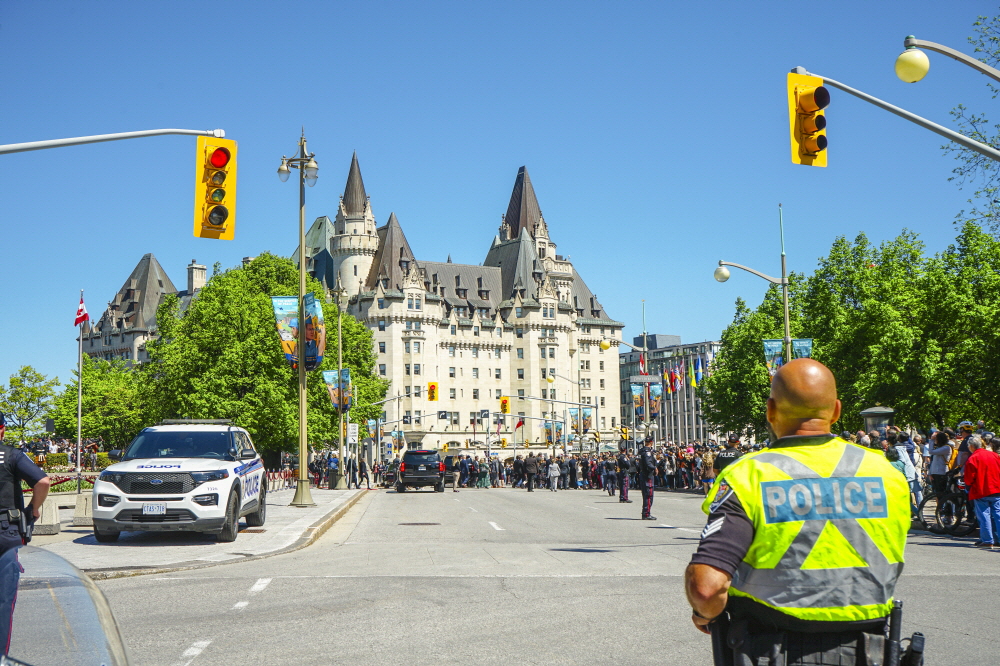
(497, 527)
(240, 605)
(591, 507)
(260, 585)
(473, 510)
(196, 648)
(682, 529)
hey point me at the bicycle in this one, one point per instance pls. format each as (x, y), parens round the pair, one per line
(929, 514)
(956, 513)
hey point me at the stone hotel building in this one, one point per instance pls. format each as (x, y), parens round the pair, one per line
(480, 331)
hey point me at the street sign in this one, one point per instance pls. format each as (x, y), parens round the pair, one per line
(484, 413)
(352, 433)
(645, 379)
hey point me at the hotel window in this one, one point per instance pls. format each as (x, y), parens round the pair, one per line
(407, 366)
(520, 394)
(416, 347)
(416, 391)
(406, 390)
(475, 394)
(416, 416)
(475, 352)
(520, 333)
(454, 330)
(451, 393)
(496, 374)
(416, 302)
(520, 373)
(381, 304)
(381, 324)
(552, 394)
(602, 381)
(409, 303)
(602, 402)
(600, 366)
(545, 394)
(381, 369)
(518, 312)
(475, 373)
(381, 348)
(475, 331)
(451, 351)
(416, 368)
(552, 352)
(520, 352)
(406, 347)
(496, 353)
(451, 372)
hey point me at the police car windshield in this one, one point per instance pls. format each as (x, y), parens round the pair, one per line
(181, 444)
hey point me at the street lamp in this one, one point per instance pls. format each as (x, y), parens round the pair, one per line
(338, 293)
(308, 172)
(912, 64)
(722, 274)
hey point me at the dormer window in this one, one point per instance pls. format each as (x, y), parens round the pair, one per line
(385, 283)
(458, 281)
(479, 283)
(405, 265)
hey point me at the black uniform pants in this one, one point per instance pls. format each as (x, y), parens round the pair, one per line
(646, 487)
(10, 575)
(531, 482)
(623, 486)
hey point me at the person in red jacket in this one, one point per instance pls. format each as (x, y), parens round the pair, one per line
(982, 479)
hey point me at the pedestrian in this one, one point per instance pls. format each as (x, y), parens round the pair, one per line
(554, 474)
(15, 468)
(982, 478)
(530, 470)
(363, 473)
(940, 457)
(518, 472)
(456, 472)
(778, 498)
(610, 475)
(646, 464)
(466, 469)
(623, 470)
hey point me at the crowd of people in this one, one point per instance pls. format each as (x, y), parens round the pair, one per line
(39, 448)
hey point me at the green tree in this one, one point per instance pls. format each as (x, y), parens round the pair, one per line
(25, 401)
(974, 169)
(221, 358)
(114, 403)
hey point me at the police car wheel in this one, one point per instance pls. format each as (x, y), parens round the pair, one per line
(256, 519)
(232, 525)
(105, 537)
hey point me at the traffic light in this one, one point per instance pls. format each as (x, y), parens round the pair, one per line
(215, 189)
(432, 391)
(505, 405)
(503, 443)
(807, 97)
(624, 432)
(444, 447)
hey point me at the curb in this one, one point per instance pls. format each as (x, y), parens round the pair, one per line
(311, 534)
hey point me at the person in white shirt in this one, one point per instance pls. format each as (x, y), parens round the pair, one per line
(940, 455)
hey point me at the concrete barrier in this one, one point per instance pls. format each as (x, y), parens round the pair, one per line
(84, 513)
(48, 518)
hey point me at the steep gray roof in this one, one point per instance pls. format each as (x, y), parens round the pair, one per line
(355, 197)
(517, 261)
(134, 306)
(317, 237)
(393, 248)
(468, 278)
(523, 211)
(583, 299)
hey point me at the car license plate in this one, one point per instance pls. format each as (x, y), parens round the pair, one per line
(154, 509)
(422, 468)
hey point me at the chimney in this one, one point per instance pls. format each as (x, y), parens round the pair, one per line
(196, 276)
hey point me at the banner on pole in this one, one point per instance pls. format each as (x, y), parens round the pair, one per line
(802, 348)
(655, 395)
(772, 355)
(286, 316)
(341, 396)
(574, 419)
(588, 418)
(553, 429)
(637, 399)
(315, 331)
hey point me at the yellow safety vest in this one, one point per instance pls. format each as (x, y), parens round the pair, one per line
(830, 523)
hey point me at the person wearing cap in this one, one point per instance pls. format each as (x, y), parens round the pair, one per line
(646, 464)
(728, 455)
(803, 546)
(965, 432)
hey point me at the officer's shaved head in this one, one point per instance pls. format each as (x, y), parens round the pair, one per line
(803, 399)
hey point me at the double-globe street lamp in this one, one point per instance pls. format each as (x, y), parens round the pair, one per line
(722, 274)
(305, 162)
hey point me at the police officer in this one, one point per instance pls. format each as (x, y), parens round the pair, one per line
(623, 465)
(727, 455)
(646, 463)
(804, 541)
(15, 467)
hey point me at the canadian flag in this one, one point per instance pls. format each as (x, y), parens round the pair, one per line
(642, 364)
(520, 422)
(81, 313)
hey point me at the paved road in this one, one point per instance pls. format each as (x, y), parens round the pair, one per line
(497, 576)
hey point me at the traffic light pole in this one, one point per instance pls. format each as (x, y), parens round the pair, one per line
(960, 139)
(100, 138)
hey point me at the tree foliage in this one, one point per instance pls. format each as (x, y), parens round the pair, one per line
(115, 403)
(25, 401)
(221, 358)
(896, 327)
(974, 169)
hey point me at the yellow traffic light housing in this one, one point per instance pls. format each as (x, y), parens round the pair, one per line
(505, 405)
(215, 189)
(807, 99)
(432, 391)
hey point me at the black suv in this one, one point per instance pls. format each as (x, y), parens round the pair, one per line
(420, 468)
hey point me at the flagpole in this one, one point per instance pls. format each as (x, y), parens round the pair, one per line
(79, 404)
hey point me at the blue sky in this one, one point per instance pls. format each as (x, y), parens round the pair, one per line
(655, 134)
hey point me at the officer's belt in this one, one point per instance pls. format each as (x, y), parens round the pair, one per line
(788, 585)
(10, 515)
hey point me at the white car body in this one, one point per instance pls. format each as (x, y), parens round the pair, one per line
(168, 492)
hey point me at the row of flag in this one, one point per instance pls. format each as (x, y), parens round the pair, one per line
(679, 373)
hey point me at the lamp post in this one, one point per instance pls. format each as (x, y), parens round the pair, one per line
(722, 274)
(912, 64)
(341, 483)
(308, 172)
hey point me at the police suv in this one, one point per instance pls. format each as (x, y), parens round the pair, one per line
(182, 475)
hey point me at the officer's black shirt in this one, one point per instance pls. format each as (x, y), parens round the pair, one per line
(725, 457)
(23, 469)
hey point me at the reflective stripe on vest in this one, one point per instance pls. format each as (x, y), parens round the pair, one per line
(813, 501)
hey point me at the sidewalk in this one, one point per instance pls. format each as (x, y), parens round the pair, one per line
(287, 528)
